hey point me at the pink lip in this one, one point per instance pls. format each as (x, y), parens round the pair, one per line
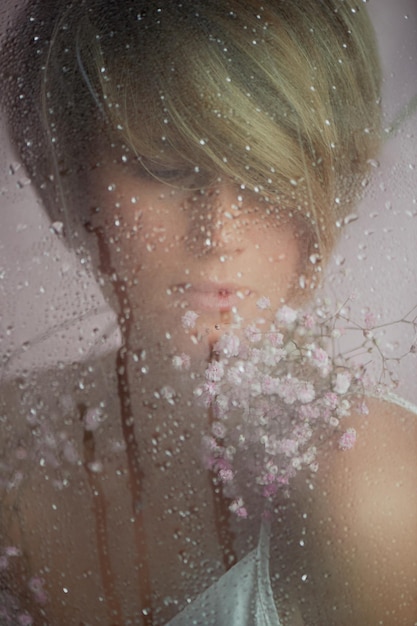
(213, 296)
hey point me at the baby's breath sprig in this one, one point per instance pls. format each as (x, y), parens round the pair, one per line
(273, 386)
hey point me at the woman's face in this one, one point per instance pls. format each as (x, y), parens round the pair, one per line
(215, 251)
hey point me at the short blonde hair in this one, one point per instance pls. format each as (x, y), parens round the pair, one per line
(281, 96)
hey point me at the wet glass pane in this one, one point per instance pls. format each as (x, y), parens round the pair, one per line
(208, 313)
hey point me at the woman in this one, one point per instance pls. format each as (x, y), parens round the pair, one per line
(201, 157)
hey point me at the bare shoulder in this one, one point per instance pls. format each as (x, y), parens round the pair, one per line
(366, 497)
(379, 475)
(347, 540)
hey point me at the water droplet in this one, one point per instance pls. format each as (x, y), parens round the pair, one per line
(23, 182)
(352, 217)
(57, 228)
(96, 467)
(13, 168)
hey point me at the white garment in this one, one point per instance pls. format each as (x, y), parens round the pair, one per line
(405, 404)
(241, 597)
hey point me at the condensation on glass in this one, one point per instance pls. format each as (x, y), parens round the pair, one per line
(208, 313)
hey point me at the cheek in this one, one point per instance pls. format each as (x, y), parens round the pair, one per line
(137, 228)
(279, 247)
(278, 256)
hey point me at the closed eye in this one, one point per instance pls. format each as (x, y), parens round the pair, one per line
(183, 176)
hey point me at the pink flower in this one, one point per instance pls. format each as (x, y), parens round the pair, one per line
(263, 303)
(289, 446)
(302, 433)
(305, 392)
(228, 344)
(270, 490)
(226, 475)
(270, 385)
(275, 338)
(348, 439)
(287, 390)
(253, 333)
(363, 408)
(189, 319)
(238, 508)
(209, 443)
(218, 429)
(308, 321)
(35, 584)
(210, 390)
(320, 359)
(370, 320)
(331, 400)
(215, 371)
(309, 411)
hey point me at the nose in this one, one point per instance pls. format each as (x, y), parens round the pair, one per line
(219, 209)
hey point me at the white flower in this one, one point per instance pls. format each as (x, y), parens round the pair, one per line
(181, 361)
(235, 374)
(343, 410)
(342, 383)
(286, 315)
(168, 393)
(189, 319)
(305, 392)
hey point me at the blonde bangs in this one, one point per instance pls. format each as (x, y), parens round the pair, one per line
(281, 99)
